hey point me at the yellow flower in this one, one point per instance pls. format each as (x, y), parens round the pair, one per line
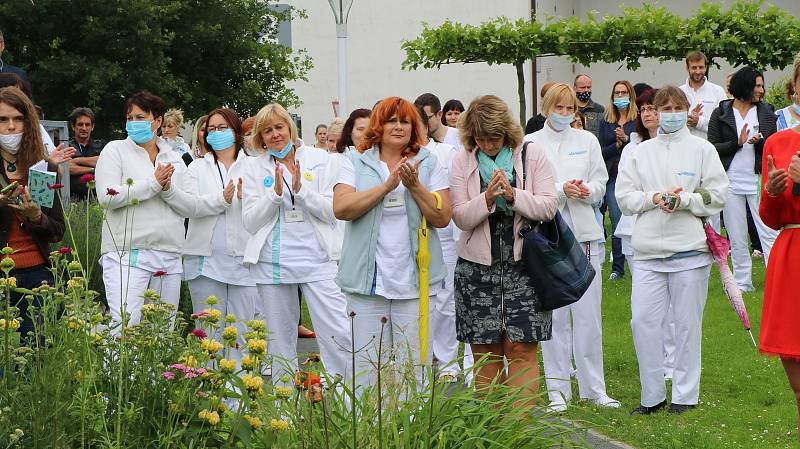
(283, 392)
(230, 333)
(255, 422)
(212, 300)
(151, 295)
(209, 416)
(249, 363)
(74, 266)
(14, 324)
(278, 424)
(230, 318)
(189, 361)
(257, 346)
(227, 365)
(253, 383)
(75, 283)
(7, 264)
(210, 345)
(147, 309)
(256, 325)
(75, 324)
(8, 282)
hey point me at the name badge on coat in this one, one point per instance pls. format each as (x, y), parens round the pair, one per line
(394, 199)
(294, 216)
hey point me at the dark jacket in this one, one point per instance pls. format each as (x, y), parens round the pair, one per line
(78, 190)
(722, 131)
(49, 230)
(535, 124)
(8, 68)
(593, 115)
(608, 143)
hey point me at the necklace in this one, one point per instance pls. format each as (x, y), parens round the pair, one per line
(11, 167)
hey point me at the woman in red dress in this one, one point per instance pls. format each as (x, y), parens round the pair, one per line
(780, 210)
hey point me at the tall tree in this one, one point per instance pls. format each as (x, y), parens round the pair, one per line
(196, 54)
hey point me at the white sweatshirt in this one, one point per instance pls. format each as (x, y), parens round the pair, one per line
(709, 95)
(157, 221)
(203, 182)
(576, 154)
(261, 206)
(659, 165)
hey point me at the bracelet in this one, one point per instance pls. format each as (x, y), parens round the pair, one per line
(769, 194)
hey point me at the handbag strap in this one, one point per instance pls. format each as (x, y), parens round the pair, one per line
(524, 152)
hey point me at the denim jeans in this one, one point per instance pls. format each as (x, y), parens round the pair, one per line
(29, 278)
(618, 266)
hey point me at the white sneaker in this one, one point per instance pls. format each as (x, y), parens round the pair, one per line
(606, 401)
(556, 407)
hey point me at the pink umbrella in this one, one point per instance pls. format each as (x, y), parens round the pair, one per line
(719, 247)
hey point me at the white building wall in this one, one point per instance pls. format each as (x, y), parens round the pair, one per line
(377, 28)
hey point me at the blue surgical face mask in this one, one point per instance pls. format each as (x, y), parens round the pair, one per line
(282, 154)
(220, 140)
(672, 121)
(622, 102)
(560, 122)
(139, 131)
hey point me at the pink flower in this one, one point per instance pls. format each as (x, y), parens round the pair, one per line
(199, 315)
(88, 177)
(178, 366)
(169, 375)
(199, 333)
(159, 273)
(111, 192)
(55, 186)
(64, 250)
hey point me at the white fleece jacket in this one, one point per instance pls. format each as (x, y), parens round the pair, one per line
(576, 154)
(202, 182)
(659, 165)
(261, 206)
(156, 222)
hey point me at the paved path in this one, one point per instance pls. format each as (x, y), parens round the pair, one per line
(595, 439)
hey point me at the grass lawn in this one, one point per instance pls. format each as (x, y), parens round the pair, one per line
(745, 400)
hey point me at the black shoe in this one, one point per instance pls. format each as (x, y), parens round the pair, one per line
(677, 409)
(643, 410)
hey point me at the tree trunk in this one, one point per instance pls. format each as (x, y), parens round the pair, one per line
(521, 92)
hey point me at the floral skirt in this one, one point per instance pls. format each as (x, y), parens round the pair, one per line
(496, 299)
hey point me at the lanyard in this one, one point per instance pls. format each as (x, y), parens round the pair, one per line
(221, 181)
(286, 183)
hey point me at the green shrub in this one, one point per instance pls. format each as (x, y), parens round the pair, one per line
(776, 94)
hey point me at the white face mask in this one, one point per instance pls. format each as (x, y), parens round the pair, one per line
(10, 142)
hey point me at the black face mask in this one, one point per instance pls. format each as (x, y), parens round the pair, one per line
(584, 96)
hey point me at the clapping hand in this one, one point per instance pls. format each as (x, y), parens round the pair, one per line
(278, 179)
(394, 175)
(228, 192)
(777, 179)
(163, 174)
(61, 154)
(294, 170)
(575, 189)
(794, 168)
(409, 175)
(694, 115)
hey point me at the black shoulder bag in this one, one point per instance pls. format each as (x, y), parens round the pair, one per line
(559, 267)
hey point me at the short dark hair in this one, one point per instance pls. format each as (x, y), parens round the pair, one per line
(639, 88)
(743, 82)
(431, 100)
(80, 112)
(696, 56)
(346, 140)
(451, 105)
(148, 102)
(321, 125)
(642, 99)
(12, 79)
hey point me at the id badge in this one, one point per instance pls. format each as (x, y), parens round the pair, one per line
(294, 216)
(394, 199)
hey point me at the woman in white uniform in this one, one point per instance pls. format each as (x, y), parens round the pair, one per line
(581, 178)
(215, 242)
(672, 182)
(138, 181)
(288, 207)
(384, 190)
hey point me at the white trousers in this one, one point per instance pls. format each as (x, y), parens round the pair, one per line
(736, 224)
(654, 293)
(125, 288)
(232, 300)
(442, 324)
(578, 331)
(279, 307)
(668, 327)
(400, 342)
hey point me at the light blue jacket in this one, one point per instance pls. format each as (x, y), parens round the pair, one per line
(357, 268)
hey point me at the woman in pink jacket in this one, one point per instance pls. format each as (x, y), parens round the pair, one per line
(497, 310)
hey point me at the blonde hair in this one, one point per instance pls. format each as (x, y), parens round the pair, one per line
(489, 116)
(796, 69)
(197, 143)
(556, 92)
(268, 115)
(336, 126)
(174, 116)
(612, 115)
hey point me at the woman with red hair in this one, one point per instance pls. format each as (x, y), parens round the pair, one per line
(384, 191)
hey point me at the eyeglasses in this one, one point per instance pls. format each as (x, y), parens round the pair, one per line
(644, 109)
(211, 129)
